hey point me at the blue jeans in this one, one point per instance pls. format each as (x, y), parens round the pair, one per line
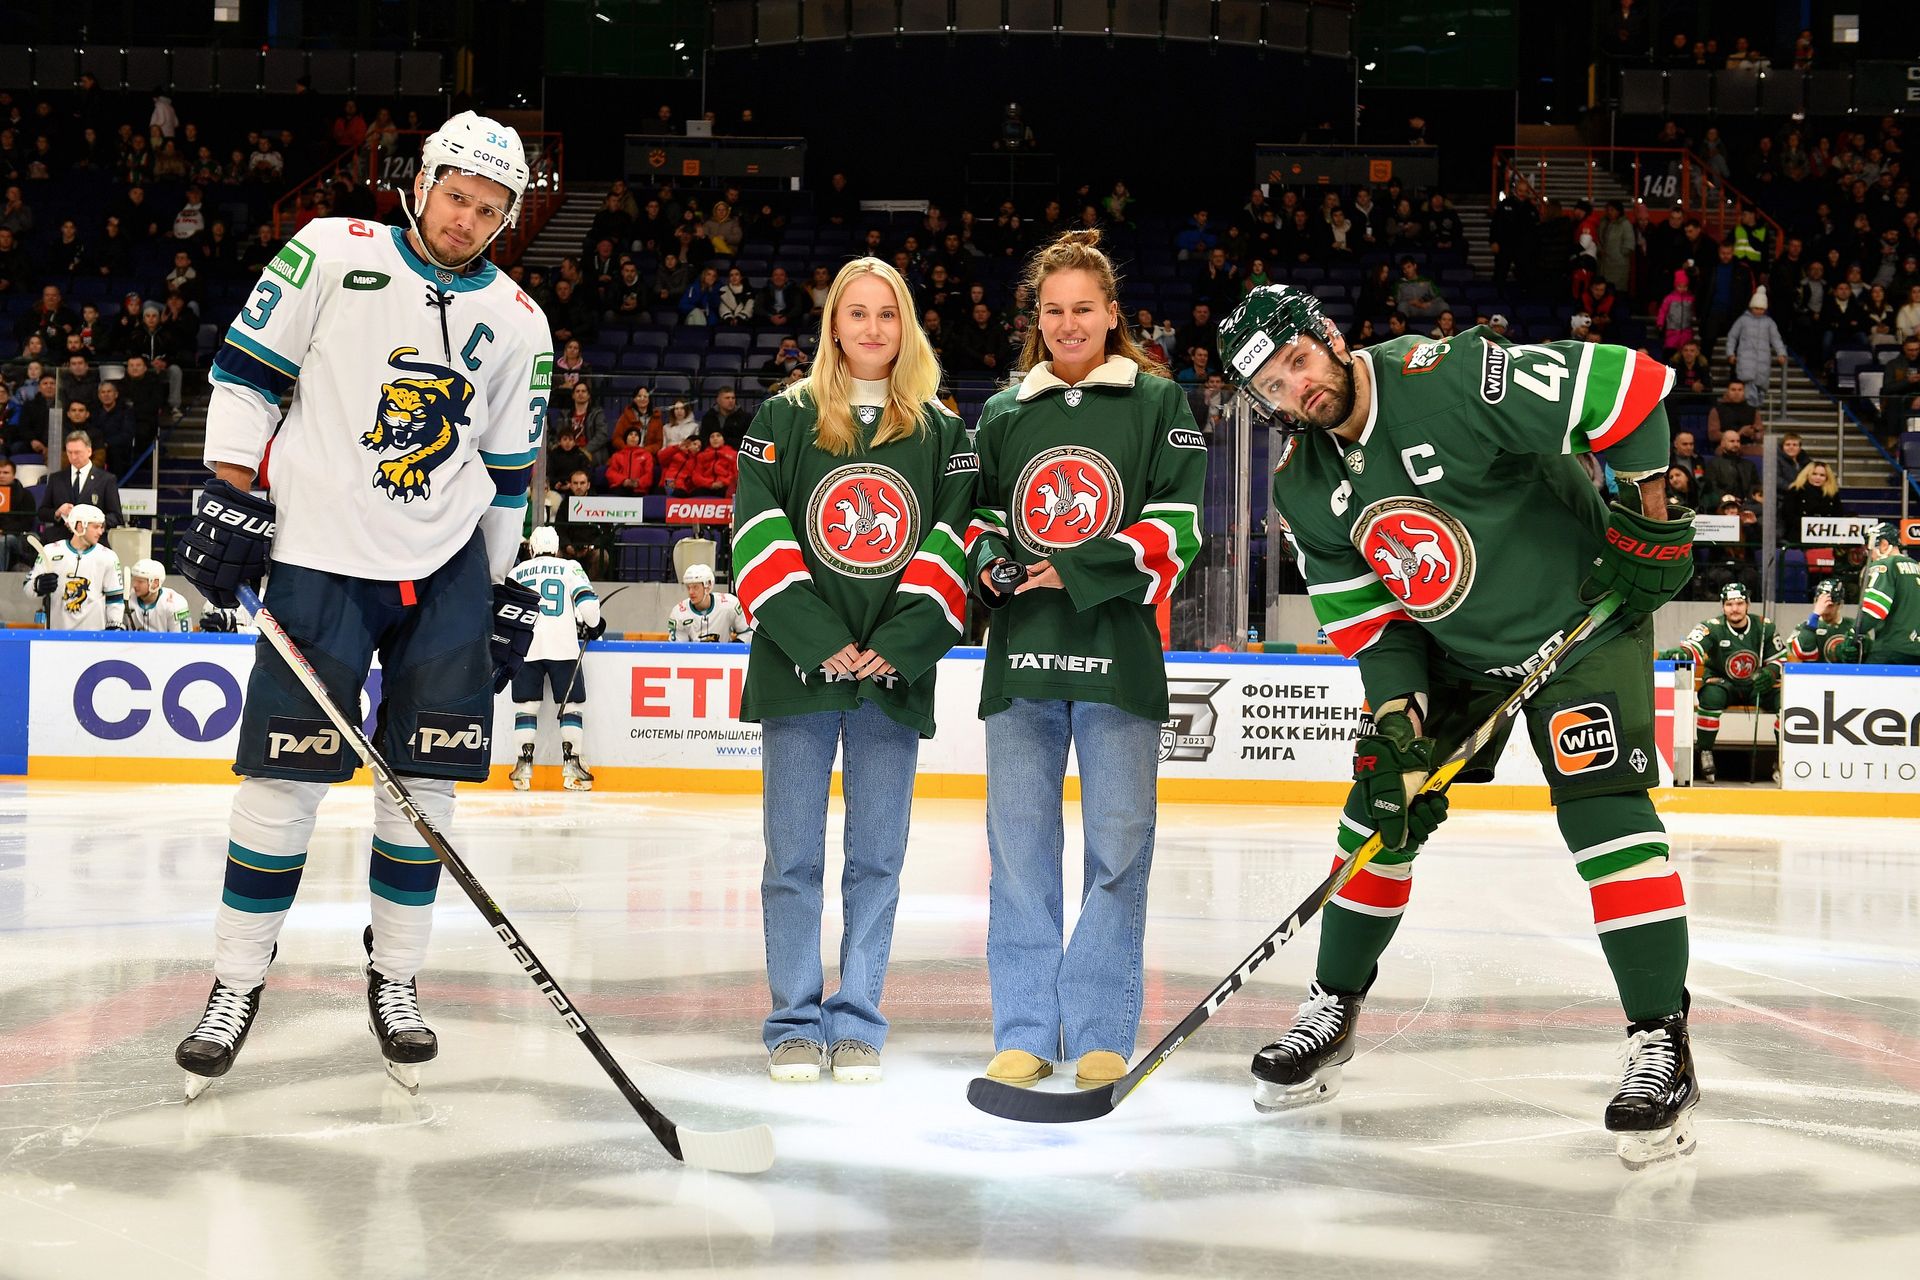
(1087, 996)
(796, 754)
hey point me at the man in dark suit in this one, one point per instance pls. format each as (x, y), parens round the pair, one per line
(78, 481)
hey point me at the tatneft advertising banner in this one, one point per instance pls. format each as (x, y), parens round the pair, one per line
(1850, 728)
(1258, 718)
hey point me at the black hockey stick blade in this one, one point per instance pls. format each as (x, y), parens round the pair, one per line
(1030, 1106)
(1034, 1107)
(748, 1150)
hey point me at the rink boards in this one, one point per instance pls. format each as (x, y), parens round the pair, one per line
(1246, 728)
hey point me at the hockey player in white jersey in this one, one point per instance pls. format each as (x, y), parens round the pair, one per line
(400, 477)
(155, 606)
(79, 577)
(707, 615)
(569, 619)
(237, 620)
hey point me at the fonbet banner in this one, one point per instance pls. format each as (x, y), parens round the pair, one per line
(1269, 719)
(1850, 728)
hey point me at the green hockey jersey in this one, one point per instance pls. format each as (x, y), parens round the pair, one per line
(863, 549)
(1104, 480)
(1817, 641)
(1890, 608)
(1460, 518)
(1722, 653)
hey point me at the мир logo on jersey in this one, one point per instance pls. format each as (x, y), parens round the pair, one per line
(864, 520)
(420, 415)
(1423, 554)
(1066, 496)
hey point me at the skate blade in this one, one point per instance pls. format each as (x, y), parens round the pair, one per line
(197, 1085)
(406, 1075)
(522, 784)
(572, 784)
(1269, 1097)
(1639, 1151)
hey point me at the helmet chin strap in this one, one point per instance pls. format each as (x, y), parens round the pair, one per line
(426, 246)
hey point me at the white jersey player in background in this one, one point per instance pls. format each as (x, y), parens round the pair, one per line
(79, 577)
(400, 478)
(707, 615)
(238, 619)
(155, 606)
(569, 618)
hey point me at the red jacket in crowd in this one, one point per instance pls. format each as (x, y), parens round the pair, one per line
(631, 469)
(715, 471)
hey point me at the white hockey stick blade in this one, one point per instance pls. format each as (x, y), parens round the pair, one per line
(747, 1150)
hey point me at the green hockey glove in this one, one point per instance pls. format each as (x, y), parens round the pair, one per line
(1765, 680)
(1844, 649)
(1389, 764)
(1646, 560)
(1425, 813)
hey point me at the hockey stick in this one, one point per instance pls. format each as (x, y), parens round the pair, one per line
(748, 1150)
(1011, 1102)
(46, 601)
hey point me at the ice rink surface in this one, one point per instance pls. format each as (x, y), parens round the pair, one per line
(1467, 1142)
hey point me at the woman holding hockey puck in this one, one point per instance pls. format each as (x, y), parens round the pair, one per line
(1088, 514)
(854, 483)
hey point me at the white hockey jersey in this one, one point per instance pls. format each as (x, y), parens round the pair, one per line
(419, 401)
(566, 600)
(90, 596)
(723, 620)
(235, 621)
(168, 612)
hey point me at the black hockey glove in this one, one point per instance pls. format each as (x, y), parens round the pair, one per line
(216, 620)
(227, 543)
(45, 584)
(591, 631)
(515, 610)
(1646, 560)
(1389, 764)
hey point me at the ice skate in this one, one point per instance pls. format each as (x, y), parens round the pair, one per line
(522, 775)
(209, 1052)
(573, 774)
(1304, 1065)
(1651, 1117)
(393, 1015)
(1707, 773)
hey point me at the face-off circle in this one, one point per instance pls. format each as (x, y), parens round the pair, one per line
(863, 520)
(1064, 497)
(1423, 554)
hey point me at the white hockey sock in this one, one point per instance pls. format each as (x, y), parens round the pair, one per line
(267, 834)
(573, 733)
(526, 724)
(404, 876)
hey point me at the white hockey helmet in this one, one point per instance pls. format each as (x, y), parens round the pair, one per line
(472, 143)
(544, 541)
(84, 513)
(149, 570)
(697, 573)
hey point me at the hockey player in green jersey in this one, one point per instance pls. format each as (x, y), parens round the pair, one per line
(1448, 538)
(1091, 476)
(1827, 635)
(1739, 657)
(1890, 600)
(854, 485)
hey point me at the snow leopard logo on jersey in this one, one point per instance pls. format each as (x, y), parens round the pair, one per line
(1423, 554)
(1066, 496)
(420, 415)
(864, 520)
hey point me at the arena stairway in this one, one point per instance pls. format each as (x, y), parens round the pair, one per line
(568, 227)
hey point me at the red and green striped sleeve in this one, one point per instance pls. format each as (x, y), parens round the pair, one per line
(1876, 595)
(1577, 397)
(770, 576)
(986, 537)
(1145, 560)
(928, 612)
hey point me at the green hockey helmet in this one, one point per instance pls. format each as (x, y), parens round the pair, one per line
(1831, 587)
(1733, 591)
(1878, 532)
(1268, 321)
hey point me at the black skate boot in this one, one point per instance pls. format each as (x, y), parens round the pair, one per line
(1651, 1117)
(522, 775)
(393, 1015)
(1303, 1065)
(573, 774)
(208, 1053)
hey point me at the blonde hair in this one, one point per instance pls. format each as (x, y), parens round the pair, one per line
(828, 389)
(1080, 251)
(1831, 488)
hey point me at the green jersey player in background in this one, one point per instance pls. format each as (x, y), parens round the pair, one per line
(1827, 635)
(1449, 538)
(1890, 600)
(1739, 657)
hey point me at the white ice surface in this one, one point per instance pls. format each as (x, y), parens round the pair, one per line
(1467, 1142)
